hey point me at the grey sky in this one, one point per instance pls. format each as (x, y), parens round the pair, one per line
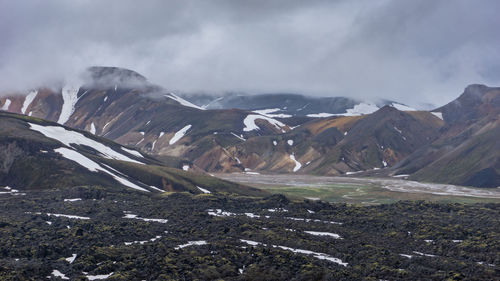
(414, 51)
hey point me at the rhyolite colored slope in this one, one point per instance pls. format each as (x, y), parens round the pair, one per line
(467, 151)
(338, 145)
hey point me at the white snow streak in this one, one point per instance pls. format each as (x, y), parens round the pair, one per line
(297, 163)
(182, 101)
(320, 256)
(320, 115)
(70, 98)
(68, 137)
(71, 259)
(6, 105)
(132, 216)
(203, 190)
(93, 166)
(250, 125)
(438, 115)
(72, 200)
(28, 100)
(317, 233)
(92, 128)
(179, 134)
(57, 273)
(191, 243)
(268, 113)
(99, 277)
(240, 137)
(402, 107)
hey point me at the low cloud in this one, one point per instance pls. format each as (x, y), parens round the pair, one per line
(411, 51)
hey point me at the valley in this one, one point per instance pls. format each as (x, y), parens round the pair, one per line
(363, 191)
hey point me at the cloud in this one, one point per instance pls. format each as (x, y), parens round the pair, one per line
(411, 51)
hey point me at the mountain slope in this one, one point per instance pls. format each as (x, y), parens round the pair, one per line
(38, 154)
(137, 113)
(333, 146)
(467, 151)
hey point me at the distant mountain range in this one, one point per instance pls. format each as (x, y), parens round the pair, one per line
(288, 105)
(281, 133)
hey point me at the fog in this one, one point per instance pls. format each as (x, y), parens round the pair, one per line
(414, 52)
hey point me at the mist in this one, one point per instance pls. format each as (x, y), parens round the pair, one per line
(415, 52)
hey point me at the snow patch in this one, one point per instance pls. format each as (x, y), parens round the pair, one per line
(28, 100)
(61, 215)
(70, 98)
(275, 143)
(99, 277)
(220, 213)
(68, 137)
(240, 137)
(320, 256)
(438, 115)
(6, 105)
(297, 163)
(92, 128)
(250, 125)
(136, 217)
(57, 273)
(312, 220)
(425, 255)
(320, 115)
(185, 168)
(203, 190)
(290, 142)
(93, 166)
(72, 200)
(182, 101)
(191, 243)
(268, 113)
(318, 233)
(71, 259)
(178, 135)
(142, 242)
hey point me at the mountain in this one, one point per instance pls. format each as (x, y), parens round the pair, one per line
(467, 151)
(339, 145)
(270, 134)
(39, 154)
(140, 114)
(283, 105)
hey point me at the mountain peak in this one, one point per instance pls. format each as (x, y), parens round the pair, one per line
(106, 76)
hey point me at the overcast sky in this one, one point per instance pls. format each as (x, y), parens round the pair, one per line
(413, 51)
